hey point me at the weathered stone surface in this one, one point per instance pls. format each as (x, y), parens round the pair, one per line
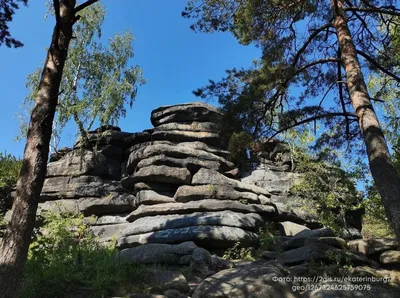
(249, 221)
(114, 203)
(322, 232)
(111, 219)
(158, 187)
(197, 145)
(269, 255)
(201, 262)
(199, 206)
(271, 180)
(165, 280)
(191, 163)
(163, 174)
(297, 242)
(245, 282)
(175, 152)
(204, 176)
(196, 111)
(372, 246)
(59, 154)
(193, 126)
(320, 251)
(151, 197)
(108, 232)
(76, 187)
(288, 228)
(76, 163)
(157, 253)
(205, 236)
(178, 136)
(60, 206)
(174, 294)
(188, 193)
(116, 138)
(295, 213)
(390, 258)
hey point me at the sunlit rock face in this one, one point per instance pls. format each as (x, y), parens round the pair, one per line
(169, 184)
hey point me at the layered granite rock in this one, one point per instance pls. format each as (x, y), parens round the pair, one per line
(167, 185)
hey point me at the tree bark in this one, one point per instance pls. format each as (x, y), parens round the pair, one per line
(382, 169)
(14, 248)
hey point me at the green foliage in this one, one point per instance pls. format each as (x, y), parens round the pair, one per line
(239, 253)
(9, 169)
(375, 222)
(98, 81)
(9, 173)
(327, 189)
(66, 258)
(267, 235)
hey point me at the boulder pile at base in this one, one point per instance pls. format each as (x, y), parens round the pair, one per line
(169, 184)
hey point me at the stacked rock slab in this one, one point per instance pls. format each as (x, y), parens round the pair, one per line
(181, 184)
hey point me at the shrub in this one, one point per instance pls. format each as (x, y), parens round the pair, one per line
(9, 172)
(65, 258)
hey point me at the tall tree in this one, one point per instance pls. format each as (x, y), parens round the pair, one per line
(15, 244)
(7, 10)
(97, 80)
(320, 50)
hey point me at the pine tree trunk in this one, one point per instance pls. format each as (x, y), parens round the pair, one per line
(14, 248)
(382, 169)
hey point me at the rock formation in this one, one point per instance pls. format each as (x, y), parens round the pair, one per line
(170, 184)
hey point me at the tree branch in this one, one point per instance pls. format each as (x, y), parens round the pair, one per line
(373, 10)
(380, 67)
(321, 61)
(84, 5)
(308, 41)
(317, 117)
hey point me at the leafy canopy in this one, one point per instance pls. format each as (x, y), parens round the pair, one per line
(98, 81)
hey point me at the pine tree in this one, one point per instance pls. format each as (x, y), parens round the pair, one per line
(324, 49)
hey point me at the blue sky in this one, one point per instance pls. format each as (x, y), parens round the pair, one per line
(175, 60)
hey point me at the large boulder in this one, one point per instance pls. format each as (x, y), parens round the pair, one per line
(210, 138)
(321, 252)
(187, 193)
(196, 111)
(245, 282)
(163, 174)
(174, 151)
(157, 253)
(199, 206)
(205, 236)
(374, 246)
(56, 188)
(250, 221)
(193, 164)
(193, 126)
(205, 176)
(77, 163)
